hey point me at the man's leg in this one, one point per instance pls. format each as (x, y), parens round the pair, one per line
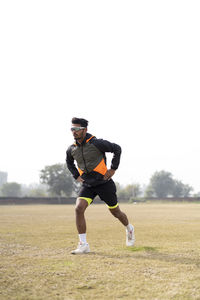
(117, 213)
(81, 205)
(107, 193)
(121, 216)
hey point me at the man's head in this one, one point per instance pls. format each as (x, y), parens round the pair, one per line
(79, 128)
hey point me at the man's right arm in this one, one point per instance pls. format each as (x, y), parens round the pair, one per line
(70, 164)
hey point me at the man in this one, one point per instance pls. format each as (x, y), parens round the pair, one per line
(89, 154)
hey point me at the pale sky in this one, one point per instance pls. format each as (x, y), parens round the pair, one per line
(132, 68)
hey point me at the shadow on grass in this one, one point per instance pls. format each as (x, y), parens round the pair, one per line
(141, 248)
(171, 258)
(152, 253)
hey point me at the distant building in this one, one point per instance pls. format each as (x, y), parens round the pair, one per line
(3, 178)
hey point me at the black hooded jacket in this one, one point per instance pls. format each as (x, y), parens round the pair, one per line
(91, 159)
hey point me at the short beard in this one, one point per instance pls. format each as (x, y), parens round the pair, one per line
(80, 138)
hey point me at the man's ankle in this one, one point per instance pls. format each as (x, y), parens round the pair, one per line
(82, 238)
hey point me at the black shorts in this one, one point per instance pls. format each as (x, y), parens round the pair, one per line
(106, 192)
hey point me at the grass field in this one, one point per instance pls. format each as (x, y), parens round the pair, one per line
(35, 259)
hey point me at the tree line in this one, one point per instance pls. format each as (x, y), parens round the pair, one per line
(56, 180)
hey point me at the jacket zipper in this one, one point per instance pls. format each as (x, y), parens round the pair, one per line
(84, 159)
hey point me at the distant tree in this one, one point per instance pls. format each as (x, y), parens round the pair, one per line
(186, 190)
(130, 191)
(76, 187)
(177, 190)
(135, 189)
(118, 186)
(34, 190)
(11, 189)
(196, 194)
(58, 178)
(149, 191)
(161, 183)
(37, 192)
(121, 194)
(181, 190)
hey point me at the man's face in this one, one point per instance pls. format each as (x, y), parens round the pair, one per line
(80, 133)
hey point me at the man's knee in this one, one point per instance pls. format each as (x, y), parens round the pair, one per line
(79, 209)
(81, 206)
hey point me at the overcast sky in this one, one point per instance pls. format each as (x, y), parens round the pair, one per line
(132, 68)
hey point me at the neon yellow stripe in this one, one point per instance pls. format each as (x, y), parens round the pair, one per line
(89, 200)
(111, 207)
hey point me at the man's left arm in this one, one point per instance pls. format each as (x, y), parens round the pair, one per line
(106, 146)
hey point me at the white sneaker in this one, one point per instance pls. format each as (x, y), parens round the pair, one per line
(82, 248)
(130, 237)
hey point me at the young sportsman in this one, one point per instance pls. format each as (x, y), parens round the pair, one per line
(89, 154)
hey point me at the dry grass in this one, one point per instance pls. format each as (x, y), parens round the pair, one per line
(35, 260)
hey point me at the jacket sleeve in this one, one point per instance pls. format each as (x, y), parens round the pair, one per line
(106, 146)
(70, 164)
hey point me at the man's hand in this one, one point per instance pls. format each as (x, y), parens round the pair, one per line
(79, 179)
(109, 174)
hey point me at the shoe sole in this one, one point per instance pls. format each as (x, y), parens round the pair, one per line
(130, 245)
(79, 253)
